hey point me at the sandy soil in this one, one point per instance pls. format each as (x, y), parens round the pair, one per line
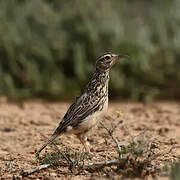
(24, 126)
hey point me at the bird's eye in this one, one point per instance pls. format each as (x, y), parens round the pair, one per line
(107, 57)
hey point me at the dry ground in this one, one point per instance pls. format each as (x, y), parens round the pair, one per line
(24, 125)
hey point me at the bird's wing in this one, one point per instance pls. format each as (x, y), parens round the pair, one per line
(81, 107)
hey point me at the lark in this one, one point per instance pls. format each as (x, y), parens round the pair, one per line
(89, 108)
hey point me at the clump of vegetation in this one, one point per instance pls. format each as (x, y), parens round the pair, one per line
(48, 47)
(138, 158)
(51, 158)
(65, 158)
(175, 171)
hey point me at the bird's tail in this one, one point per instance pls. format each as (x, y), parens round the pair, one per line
(60, 129)
(48, 142)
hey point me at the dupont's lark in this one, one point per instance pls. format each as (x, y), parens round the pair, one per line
(88, 108)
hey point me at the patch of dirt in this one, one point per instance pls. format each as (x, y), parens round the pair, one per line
(25, 126)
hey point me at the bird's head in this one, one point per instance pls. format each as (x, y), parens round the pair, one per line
(107, 60)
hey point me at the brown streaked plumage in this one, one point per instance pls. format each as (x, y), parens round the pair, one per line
(88, 108)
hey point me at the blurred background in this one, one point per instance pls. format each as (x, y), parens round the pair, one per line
(48, 48)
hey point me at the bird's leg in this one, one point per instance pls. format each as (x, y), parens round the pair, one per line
(84, 141)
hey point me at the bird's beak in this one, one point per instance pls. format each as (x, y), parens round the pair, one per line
(122, 56)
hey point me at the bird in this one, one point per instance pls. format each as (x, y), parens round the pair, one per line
(91, 106)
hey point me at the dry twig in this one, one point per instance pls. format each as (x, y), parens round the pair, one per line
(110, 132)
(33, 170)
(84, 166)
(100, 164)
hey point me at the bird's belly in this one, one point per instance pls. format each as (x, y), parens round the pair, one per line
(93, 120)
(89, 122)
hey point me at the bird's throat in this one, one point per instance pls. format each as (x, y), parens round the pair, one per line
(98, 84)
